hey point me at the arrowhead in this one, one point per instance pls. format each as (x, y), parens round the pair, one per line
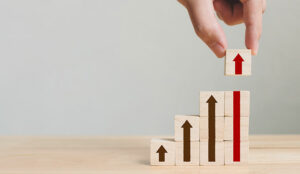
(238, 58)
(161, 149)
(186, 124)
(211, 100)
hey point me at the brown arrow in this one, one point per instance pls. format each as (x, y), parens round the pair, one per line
(211, 128)
(161, 153)
(186, 141)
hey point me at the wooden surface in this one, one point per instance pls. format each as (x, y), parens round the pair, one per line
(130, 155)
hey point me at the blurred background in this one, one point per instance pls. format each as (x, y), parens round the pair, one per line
(126, 67)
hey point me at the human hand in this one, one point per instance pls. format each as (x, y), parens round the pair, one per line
(232, 12)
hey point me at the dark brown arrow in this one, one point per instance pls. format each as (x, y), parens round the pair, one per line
(161, 153)
(211, 128)
(186, 141)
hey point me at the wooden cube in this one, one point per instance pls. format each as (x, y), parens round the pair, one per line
(219, 128)
(213, 155)
(212, 101)
(162, 152)
(238, 62)
(237, 100)
(187, 124)
(243, 127)
(187, 154)
(241, 155)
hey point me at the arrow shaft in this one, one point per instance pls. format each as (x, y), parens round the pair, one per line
(238, 67)
(186, 145)
(161, 157)
(236, 125)
(211, 132)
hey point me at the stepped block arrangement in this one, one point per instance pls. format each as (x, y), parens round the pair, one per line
(218, 136)
(238, 62)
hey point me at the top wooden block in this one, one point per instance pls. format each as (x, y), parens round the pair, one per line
(215, 98)
(238, 62)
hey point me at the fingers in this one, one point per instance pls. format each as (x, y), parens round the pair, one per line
(206, 26)
(264, 5)
(253, 10)
(231, 14)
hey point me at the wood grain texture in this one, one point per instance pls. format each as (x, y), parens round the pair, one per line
(219, 154)
(244, 103)
(274, 154)
(219, 128)
(180, 120)
(230, 64)
(194, 161)
(169, 156)
(244, 128)
(219, 106)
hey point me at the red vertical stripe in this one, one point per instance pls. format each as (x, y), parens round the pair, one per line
(238, 68)
(236, 125)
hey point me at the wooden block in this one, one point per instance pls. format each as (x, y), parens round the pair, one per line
(219, 128)
(244, 152)
(244, 128)
(184, 160)
(190, 122)
(238, 62)
(218, 156)
(162, 152)
(209, 99)
(242, 98)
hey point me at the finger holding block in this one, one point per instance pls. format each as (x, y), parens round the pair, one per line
(219, 129)
(237, 101)
(238, 62)
(162, 152)
(187, 153)
(212, 102)
(236, 154)
(211, 155)
(187, 124)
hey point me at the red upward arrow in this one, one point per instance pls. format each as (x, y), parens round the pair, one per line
(238, 64)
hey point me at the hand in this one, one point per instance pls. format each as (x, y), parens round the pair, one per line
(232, 12)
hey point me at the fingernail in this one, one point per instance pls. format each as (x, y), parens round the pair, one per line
(218, 49)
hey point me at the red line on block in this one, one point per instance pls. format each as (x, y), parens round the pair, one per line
(236, 125)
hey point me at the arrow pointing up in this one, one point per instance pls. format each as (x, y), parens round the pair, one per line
(186, 141)
(238, 64)
(161, 153)
(211, 128)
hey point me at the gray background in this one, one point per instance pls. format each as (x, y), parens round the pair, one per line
(126, 67)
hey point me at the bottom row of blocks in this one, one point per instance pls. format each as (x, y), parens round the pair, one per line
(169, 152)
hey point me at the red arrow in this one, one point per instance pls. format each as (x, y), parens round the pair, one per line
(238, 64)
(236, 125)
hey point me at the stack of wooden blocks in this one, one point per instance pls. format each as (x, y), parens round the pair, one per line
(219, 134)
